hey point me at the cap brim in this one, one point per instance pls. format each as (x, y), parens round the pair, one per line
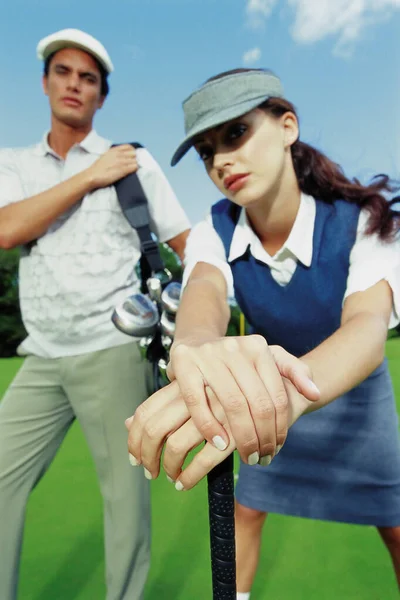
(227, 114)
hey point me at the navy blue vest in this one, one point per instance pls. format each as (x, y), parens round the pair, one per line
(300, 315)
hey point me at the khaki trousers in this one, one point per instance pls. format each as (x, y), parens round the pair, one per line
(101, 390)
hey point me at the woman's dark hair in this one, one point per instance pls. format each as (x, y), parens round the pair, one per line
(104, 87)
(324, 179)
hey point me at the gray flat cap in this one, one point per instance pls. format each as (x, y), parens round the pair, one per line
(223, 99)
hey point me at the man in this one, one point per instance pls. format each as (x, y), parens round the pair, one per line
(57, 198)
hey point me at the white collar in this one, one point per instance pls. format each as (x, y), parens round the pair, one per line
(92, 144)
(299, 242)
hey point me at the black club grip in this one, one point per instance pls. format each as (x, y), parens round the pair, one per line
(222, 530)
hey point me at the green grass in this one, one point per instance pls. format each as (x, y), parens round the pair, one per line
(63, 545)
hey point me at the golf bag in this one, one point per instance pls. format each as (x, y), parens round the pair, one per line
(134, 206)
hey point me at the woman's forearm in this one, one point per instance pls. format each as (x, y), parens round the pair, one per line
(347, 357)
(203, 312)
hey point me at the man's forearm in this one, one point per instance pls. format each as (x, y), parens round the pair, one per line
(24, 221)
(347, 357)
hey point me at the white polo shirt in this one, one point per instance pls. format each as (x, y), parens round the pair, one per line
(85, 263)
(371, 259)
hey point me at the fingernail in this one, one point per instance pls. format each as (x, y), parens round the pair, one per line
(169, 479)
(314, 387)
(253, 459)
(265, 460)
(278, 449)
(219, 443)
(179, 487)
(147, 474)
(128, 422)
(134, 462)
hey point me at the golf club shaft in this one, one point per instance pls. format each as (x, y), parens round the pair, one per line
(222, 530)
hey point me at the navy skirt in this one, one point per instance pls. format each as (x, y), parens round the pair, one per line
(340, 463)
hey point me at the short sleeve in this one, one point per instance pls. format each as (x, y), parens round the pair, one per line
(11, 189)
(373, 260)
(205, 245)
(168, 219)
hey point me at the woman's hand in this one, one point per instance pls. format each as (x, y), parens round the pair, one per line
(163, 422)
(246, 377)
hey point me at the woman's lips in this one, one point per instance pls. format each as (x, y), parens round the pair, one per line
(233, 183)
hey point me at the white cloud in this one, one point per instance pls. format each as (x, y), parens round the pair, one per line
(251, 56)
(258, 11)
(315, 20)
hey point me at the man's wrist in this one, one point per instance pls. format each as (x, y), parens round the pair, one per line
(88, 180)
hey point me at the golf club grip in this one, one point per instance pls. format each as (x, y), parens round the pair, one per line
(222, 530)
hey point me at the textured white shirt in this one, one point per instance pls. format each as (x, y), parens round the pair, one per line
(371, 259)
(85, 263)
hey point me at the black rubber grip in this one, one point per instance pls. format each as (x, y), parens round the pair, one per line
(222, 530)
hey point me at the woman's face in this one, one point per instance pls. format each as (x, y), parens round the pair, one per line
(248, 158)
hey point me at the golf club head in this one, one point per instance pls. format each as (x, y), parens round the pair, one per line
(136, 316)
(167, 325)
(156, 283)
(166, 342)
(162, 369)
(170, 297)
(144, 343)
(155, 289)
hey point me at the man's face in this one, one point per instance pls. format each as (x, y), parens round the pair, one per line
(73, 86)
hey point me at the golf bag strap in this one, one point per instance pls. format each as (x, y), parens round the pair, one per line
(134, 206)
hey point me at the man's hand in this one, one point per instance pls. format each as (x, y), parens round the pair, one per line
(116, 163)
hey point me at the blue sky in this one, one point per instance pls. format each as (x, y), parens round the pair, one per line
(339, 61)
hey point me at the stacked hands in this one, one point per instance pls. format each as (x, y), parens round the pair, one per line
(232, 392)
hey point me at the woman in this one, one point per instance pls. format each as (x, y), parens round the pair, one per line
(311, 258)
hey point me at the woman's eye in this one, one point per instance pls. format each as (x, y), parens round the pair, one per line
(205, 153)
(235, 131)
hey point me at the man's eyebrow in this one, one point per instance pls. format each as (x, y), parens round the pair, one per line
(81, 73)
(60, 64)
(91, 73)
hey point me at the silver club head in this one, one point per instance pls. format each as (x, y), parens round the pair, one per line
(155, 289)
(162, 369)
(167, 325)
(144, 343)
(171, 296)
(166, 342)
(157, 282)
(137, 316)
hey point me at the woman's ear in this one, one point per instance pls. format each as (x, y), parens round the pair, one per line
(291, 129)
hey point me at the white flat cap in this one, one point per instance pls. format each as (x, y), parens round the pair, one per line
(74, 38)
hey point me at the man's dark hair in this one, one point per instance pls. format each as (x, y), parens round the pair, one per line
(104, 89)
